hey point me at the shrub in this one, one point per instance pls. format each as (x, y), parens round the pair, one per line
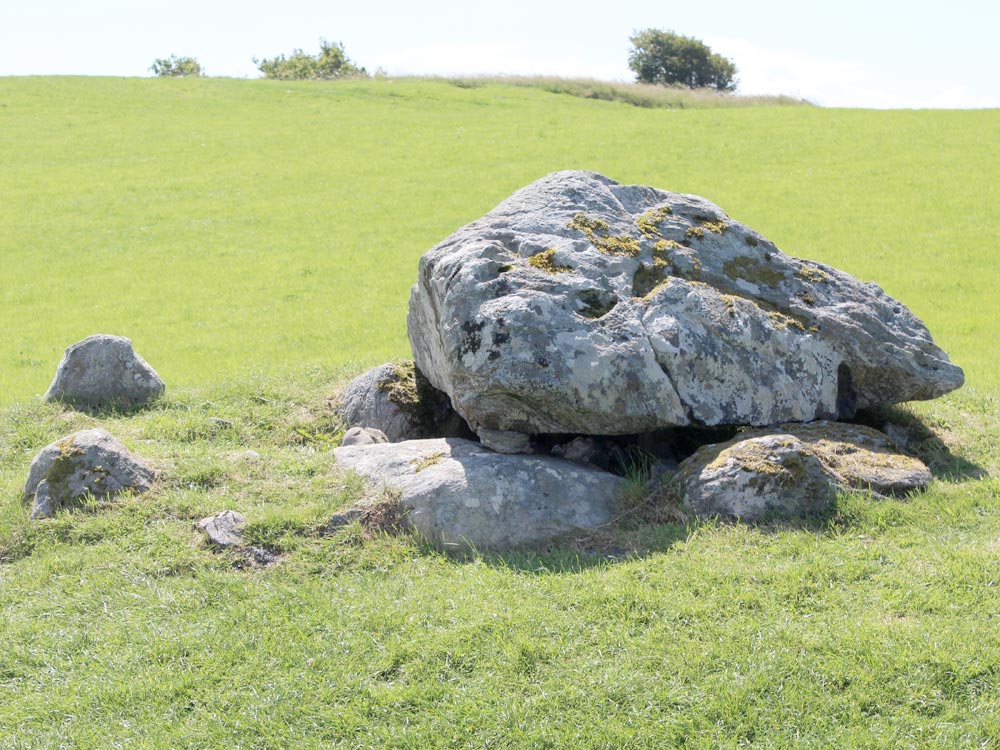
(174, 66)
(331, 62)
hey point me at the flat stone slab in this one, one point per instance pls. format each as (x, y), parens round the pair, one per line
(579, 305)
(456, 492)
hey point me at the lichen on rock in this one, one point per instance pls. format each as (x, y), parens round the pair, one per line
(674, 314)
(795, 470)
(87, 463)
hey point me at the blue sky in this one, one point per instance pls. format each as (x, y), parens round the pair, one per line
(847, 53)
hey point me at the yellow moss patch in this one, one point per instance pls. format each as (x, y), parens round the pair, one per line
(813, 274)
(543, 262)
(598, 235)
(419, 464)
(649, 221)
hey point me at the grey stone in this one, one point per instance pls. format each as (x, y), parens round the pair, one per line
(794, 470)
(104, 372)
(345, 517)
(457, 492)
(363, 436)
(505, 441)
(224, 529)
(582, 306)
(397, 400)
(584, 450)
(88, 462)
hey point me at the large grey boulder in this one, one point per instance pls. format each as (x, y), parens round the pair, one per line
(397, 400)
(104, 372)
(90, 462)
(579, 305)
(456, 492)
(794, 470)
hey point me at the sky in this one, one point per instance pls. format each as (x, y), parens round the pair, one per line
(848, 53)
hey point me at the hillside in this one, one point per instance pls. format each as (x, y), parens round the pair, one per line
(257, 241)
(229, 226)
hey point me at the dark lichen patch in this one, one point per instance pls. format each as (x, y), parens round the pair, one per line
(471, 338)
(814, 274)
(599, 236)
(753, 270)
(751, 240)
(807, 298)
(505, 268)
(596, 304)
(649, 221)
(648, 277)
(543, 261)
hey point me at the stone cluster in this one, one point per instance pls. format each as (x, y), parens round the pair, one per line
(583, 319)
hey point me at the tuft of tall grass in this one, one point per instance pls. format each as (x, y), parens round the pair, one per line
(637, 94)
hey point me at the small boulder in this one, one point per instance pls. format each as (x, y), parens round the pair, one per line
(396, 399)
(225, 529)
(364, 436)
(504, 441)
(103, 372)
(88, 462)
(794, 470)
(457, 492)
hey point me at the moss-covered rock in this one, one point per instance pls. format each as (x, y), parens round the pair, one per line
(795, 470)
(87, 463)
(397, 399)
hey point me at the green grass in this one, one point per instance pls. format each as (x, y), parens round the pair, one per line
(876, 626)
(257, 241)
(229, 226)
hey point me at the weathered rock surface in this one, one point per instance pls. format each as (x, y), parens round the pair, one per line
(87, 462)
(224, 529)
(104, 372)
(456, 492)
(363, 436)
(396, 399)
(794, 470)
(579, 305)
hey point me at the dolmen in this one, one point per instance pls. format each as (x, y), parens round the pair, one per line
(583, 307)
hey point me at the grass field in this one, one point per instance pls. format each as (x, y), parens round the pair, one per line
(257, 241)
(229, 226)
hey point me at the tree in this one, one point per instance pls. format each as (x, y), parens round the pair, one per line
(174, 66)
(672, 59)
(331, 62)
